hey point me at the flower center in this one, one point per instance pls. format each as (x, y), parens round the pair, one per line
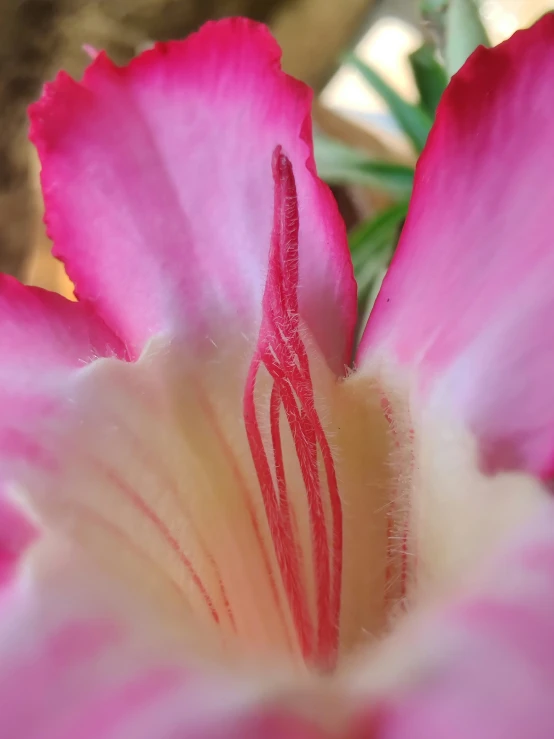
(237, 486)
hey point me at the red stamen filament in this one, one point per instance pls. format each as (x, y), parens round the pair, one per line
(283, 354)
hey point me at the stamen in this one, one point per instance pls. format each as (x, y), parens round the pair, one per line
(283, 354)
(398, 527)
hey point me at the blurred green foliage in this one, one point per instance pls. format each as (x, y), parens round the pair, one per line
(413, 120)
(458, 27)
(457, 30)
(339, 164)
(430, 77)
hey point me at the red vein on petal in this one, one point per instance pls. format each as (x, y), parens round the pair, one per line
(231, 458)
(115, 478)
(156, 466)
(398, 523)
(96, 518)
(391, 515)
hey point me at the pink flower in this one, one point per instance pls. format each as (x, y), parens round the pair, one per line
(209, 525)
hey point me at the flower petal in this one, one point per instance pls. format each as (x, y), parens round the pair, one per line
(17, 532)
(159, 194)
(42, 333)
(461, 340)
(484, 666)
(77, 659)
(147, 467)
(44, 340)
(153, 468)
(70, 666)
(468, 300)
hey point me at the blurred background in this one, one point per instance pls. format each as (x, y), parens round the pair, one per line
(377, 67)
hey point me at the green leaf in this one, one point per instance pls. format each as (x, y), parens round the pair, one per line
(430, 76)
(464, 32)
(412, 119)
(371, 235)
(372, 245)
(458, 27)
(338, 163)
(429, 7)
